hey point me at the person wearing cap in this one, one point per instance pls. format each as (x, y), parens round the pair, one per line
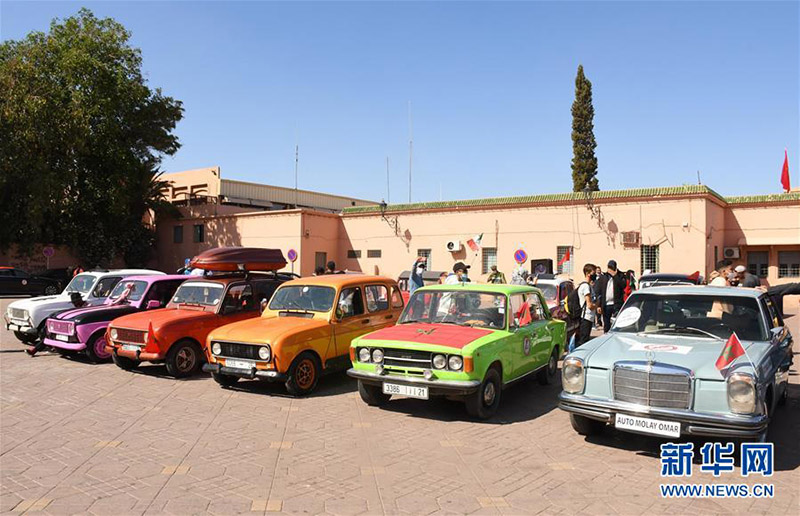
(459, 274)
(745, 278)
(496, 276)
(415, 280)
(610, 293)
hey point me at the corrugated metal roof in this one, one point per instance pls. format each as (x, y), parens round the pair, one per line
(288, 196)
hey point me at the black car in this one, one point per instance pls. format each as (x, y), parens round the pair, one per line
(16, 282)
(666, 278)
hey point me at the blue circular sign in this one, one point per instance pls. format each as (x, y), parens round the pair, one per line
(291, 255)
(520, 256)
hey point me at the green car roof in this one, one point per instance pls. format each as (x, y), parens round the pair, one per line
(481, 287)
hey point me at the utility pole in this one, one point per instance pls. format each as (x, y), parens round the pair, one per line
(296, 163)
(388, 195)
(410, 149)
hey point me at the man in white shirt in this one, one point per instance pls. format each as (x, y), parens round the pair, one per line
(459, 275)
(588, 307)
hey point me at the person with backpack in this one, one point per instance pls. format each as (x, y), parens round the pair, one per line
(581, 306)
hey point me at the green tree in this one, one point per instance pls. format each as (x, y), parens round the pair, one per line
(584, 162)
(82, 136)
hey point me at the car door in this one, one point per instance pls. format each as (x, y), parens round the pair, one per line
(351, 318)
(103, 289)
(9, 284)
(542, 330)
(522, 335)
(379, 306)
(238, 304)
(25, 283)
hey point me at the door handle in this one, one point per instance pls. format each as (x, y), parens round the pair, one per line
(365, 321)
(389, 316)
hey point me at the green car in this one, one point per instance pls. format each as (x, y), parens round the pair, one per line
(462, 341)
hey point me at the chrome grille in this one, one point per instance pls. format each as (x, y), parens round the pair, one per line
(60, 327)
(128, 335)
(406, 358)
(236, 350)
(653, 385)
(19, 313)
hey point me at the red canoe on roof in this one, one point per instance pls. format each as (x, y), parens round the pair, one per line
(239, 259)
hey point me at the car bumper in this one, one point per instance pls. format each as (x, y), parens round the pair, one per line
(252, 373)
(72, 346)
(435, 387)
(21, 327)
(692, 423)
(141, 356)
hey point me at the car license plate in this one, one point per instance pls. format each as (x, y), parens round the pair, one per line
(406, 390)
(62, 338)
(239, 364)
(647, 425)
(130, 347)
(13, 327)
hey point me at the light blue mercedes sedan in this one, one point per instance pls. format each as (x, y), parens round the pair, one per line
(656, 371)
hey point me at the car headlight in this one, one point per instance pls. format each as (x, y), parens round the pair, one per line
(439, 361)
(741, 393)
(114, 333)
(216, 348)
(377, 356)
(455, 363)
(572, 377)
(363, 355)
(264, 353)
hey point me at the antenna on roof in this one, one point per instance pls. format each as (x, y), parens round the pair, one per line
(410, 149)
(296, 163)
(698, 178)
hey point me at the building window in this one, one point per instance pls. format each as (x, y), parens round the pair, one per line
(177, 234)
(649, 258)
(354, 253)
(199, 233)
(758, 263)
(789, 264)
(489, 258)
(426, 253)
(373, 253)
(564, 254)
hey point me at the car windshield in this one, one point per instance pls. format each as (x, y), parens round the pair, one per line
(464, 308)
(198, 293)
(137, 289)
(81, 283)
(704, 316)
(303, 297)
(549, 290)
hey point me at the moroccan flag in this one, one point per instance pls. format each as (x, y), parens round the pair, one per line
(524, 314)
(785, 172)
(564, 258)
(475, 242)
(731, 351)
(694, 276)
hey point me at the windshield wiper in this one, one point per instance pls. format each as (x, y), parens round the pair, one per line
(679, 329)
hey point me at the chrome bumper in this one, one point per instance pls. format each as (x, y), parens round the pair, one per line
(435, 386)
(273, 376)
(692, 423)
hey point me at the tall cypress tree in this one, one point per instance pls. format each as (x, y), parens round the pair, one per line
(584, 162)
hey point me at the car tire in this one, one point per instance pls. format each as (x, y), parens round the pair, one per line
(225, 380)
(548, 373)
(50, 290)
(483, 403)
(373, 395)
(585, 425)
(24, 337)
(96, 349)
(125, 363)
(303, 374)
(183, 359)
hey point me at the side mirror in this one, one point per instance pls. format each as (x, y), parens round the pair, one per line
(339, 314)
(153, 304)
(776, 334)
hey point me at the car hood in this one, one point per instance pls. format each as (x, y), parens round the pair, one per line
(446, 335)
(95, 313)
(160, 318)
(47, 304)
(695, 353)
(260, 330)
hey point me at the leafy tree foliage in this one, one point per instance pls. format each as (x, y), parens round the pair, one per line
(584, 162)
(82, 136)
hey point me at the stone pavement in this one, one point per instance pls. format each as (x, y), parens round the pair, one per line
(78, 438)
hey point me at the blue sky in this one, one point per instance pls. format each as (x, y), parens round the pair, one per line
(678, 87)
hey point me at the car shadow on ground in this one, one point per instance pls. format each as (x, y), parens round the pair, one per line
(333, 384)
(160, 371)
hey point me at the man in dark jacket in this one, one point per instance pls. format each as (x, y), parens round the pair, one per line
(610, 293)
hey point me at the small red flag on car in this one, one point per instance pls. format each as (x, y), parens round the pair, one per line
(731, 351)
(785, 172)
(694, 276)
(524, 314)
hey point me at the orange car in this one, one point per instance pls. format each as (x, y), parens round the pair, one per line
(176, 334)
(304, 332)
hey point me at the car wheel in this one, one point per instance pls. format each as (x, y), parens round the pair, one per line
(24, 337)
(50, 290)
(303, 374)
(373, 395)
(484, 402)
(125, 363)
(225, 380)
(585, 425)
(96, 349)
(546, 375)
(184, 359)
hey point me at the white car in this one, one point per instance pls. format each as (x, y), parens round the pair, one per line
(26, 317)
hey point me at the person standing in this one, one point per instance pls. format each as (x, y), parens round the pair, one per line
(519, 276)
(330, 267)
(610, 292)
(745, 278)
(415, 279)
(496, 276)
(588, 307)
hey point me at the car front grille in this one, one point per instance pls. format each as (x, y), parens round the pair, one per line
(653, 385)
(130, 336)
(19, 313)
(237, 350)
(406, 358)
(60, 327)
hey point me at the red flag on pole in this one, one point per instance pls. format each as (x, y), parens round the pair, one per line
(730, 351)
(565, 258)
(785, 172)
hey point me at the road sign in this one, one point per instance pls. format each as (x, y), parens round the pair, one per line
(48, 251)
(520, 256)
(292, 255)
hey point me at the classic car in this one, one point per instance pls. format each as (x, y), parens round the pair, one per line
(465, 341)
(17, 282)
(555, 290)
(83, 329)
(304, 332)
(428, 278)
(26, 317)
(663, 279)
(230, 291)
(655, 372)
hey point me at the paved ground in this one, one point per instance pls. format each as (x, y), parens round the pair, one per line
(82, 438)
